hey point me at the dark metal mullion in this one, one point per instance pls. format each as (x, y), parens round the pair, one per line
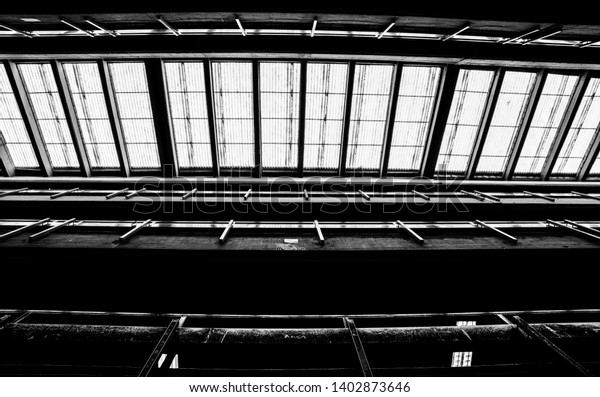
(391, 118)
(257, 122)
(486, 121)
(162, 117)
(347, 114)
(39, 146)
(302, 118)
(113, 116)
(590, 156)
(8, 167)
(210, 108)
(565, 124)
(438, 125)
(71, 116)
(525, 124)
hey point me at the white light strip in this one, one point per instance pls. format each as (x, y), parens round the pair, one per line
(380, 35)
(169, 27)
(239, 23)
(77, 28)
(314, 28)
(17, 31)
(94, 24)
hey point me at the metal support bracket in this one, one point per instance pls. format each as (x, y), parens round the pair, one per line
(573, 230)
(114, 194)
(134, 231)
(46, 232)
(23, 228)
(499, 232)
(225, 234)
(167, 336)
(539, 195)
(57, 195)
(319, 233)
(13, 192)
(360, 351)
(189, 194)
(413, 234)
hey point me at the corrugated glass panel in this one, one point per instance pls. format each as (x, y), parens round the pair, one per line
(370, 99)
(581, 133)
(416, 101)
(279, 113)
(135, 113)
(12, 127)
(189, 117)
(325, 103)
(234, 113)
(462, 359)
(546, 120)
(595, 170)
(90, 109)
(466, 111)
(506, 120)
(49, 113)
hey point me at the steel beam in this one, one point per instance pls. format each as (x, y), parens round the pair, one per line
(135, 193)
(166, 337)
(413, 234)
(247, 194)
(473, 195)
(225, 234)
(162, 116)
(46, 232)
(189, 194)
(360, 351)
(539, 195)
(113, 116)
(423, 196)
(319, 232)
(486, 121)
(57, 195)
(497, 231)
(208, 88)
(574, 230)
(558, 352)
(565, 124)
(583, 227)
(114, 194)
(347, 115)
(2, 194)
(137, 228)
(440, 117)
(365, 195)
(257, 122)
(487, 196)
(23, 228)
(71, 116)
(302, 116)
(306, 196)
(534, 98)
(391, 120)
(586, 195)
(29, 118)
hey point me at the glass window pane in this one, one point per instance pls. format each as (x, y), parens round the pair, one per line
(506, 120)
(12, 128)
(546, 119)
(50, 116)
(189, 116)
(581, 133)
(325, 104)
(279, 113)
(234, 113)
(466, 111)
(90, 109)
(370, 99)
(416, 101)
(135, 113)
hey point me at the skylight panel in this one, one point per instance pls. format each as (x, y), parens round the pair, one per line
(135, 113)
(189, 117)
(416, 101)
(370, 99)
(466, 111)
(279, 113)
(12, 127)
(462, 359)
(49, 114)
(506, 120)
(325, 104)
(90, 109)
(581, 133)
(544, 126)
(595, 170)
(234, 113)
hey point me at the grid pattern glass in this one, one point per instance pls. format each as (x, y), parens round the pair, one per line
(416, 101)
(368, 116)
(49, 114)
(580, 135)
(135, 113)
(462, 359)
(325, 103)
(234, 113)
(506, 120)
(12, 127)
(466, 111)
(544, 126)
(90, 109)
(279, 113)
(189, 116)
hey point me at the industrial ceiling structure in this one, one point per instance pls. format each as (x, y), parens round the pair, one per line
(236, 190)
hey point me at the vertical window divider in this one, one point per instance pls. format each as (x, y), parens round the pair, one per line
(210, 108)
(391, 119)
(257, 172)
(592, 152)
(347, 115)
(302, 117)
